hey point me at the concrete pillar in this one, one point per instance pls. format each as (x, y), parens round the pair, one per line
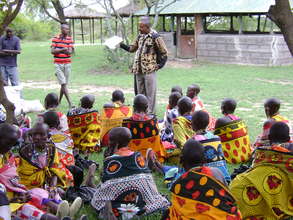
(198, 29)
(178, 35)
(240, 24)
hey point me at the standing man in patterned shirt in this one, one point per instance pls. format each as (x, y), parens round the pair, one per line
(62, 48)
(151, 55)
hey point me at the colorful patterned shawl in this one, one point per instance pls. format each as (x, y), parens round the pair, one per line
(64, 146)
(85, 130)
(145, 134)
(235, 141)
(182, 130)
(129, 185)
(265, 192)
(198, 195)
(33, 176)
(213, 152)
(112, 117)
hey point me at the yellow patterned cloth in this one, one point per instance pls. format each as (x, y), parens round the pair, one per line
(33, 176)
(182, 130)
(85, 130)
(145, 134)
(235, 141)
(198, 195)
(112, 117)
(265, 192)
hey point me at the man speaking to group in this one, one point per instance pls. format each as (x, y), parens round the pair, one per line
(151, 55)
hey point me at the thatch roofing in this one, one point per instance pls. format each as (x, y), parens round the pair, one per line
(83, 12)
(188, 7)
(128, 10)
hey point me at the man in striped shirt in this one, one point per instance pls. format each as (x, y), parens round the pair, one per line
(62, 48)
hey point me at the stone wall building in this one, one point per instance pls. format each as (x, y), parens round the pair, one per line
(189, 36)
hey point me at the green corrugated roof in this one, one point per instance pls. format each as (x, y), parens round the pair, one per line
(214, 6)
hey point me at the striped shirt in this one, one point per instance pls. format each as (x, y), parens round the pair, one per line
(61, 42)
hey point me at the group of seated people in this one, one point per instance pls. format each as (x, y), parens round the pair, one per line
(45, 172)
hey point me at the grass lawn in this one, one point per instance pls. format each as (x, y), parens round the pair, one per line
(249, 85)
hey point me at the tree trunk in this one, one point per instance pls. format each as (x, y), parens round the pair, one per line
(282, 16)
(59, 10)
(9, 106)
(10, 15)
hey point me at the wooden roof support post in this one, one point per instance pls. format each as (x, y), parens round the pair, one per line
(258, 23)
(172, 28)
(101, 29)
(82, 35)
(73, 30)
(164, 23)
(231, 24)
(198, 29)
(90, 28)
(116, 26)
(240, 24)
(178, 35)
(132, 24)
(93, 27)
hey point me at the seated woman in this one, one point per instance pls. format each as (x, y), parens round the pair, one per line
(182, 124)
(212, 143)
(62, 142)
(112, 115)
(39, 162)
(140, 108)
(171, 113)
(233, 133)
(272, 107)
(86, 105)
(200, 193)
(126, 181)
(117, 100)
(197, 104)
(51, 104)
(144, 129)
(24, 203)
(85, 125)
(265, 190)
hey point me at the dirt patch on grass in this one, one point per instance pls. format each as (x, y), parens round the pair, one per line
(75, 88)
(103, 71)
(185, 64)
(280, 82)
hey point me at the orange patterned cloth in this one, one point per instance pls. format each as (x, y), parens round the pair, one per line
(145, 134)
(112, 117)
(235, 141)
(198, 195)
(85, 130)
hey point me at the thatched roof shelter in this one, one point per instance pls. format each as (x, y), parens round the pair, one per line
(128, 10)
(83, 12)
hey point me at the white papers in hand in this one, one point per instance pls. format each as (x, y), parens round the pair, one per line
(113, 42)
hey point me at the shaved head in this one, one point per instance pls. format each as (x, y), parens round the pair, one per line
(87, 101)
(119, 137)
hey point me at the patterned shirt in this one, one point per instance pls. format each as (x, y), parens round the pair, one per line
(60, 42)
(147, 47)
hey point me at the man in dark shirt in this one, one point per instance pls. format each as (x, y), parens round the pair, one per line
(9, 49)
